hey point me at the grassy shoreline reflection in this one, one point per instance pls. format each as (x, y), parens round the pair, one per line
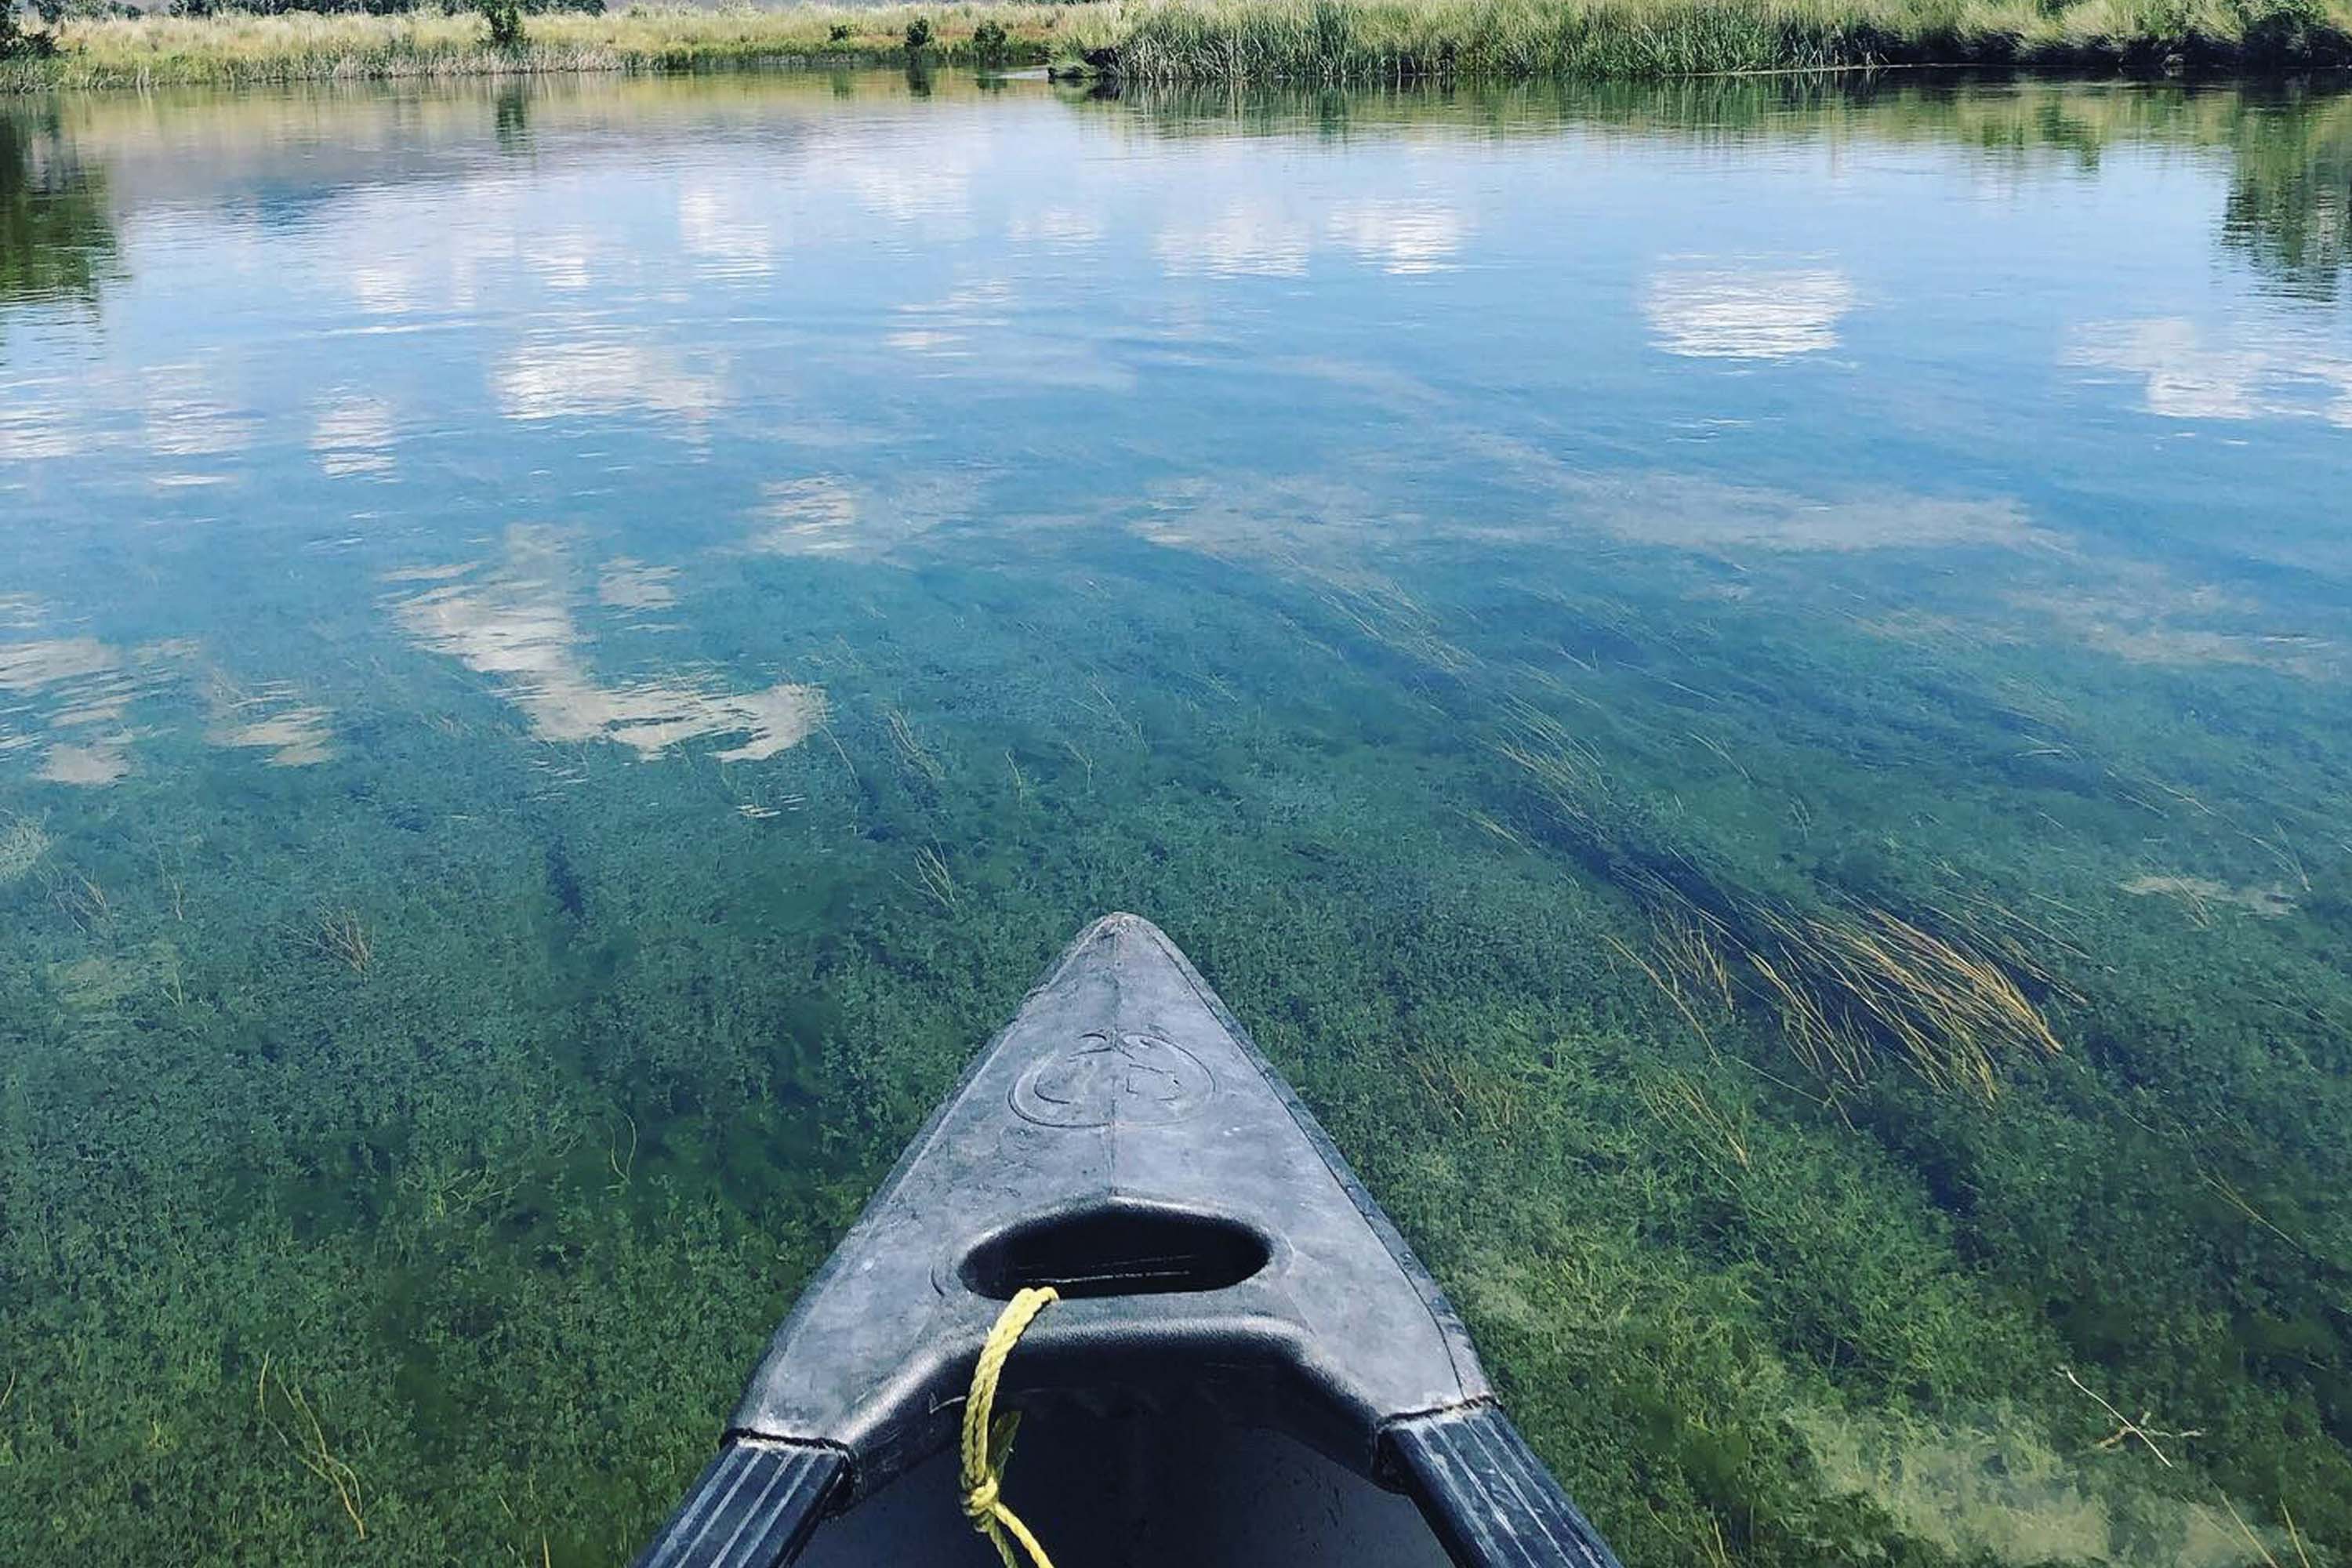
(56, 238)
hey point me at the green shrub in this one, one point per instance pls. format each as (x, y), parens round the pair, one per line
(2277, 33)
(919, 35)
(17, 44)
(989, 44)
(505, 18)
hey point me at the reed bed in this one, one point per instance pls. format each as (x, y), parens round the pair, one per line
(1329, 42)
(1387, 40)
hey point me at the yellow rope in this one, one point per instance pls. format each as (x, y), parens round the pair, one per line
(987, 1443)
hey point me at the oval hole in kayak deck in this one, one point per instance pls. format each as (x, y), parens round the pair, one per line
(1116, 1251)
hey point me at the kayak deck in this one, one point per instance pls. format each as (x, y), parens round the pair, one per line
(1246, 1362)
(1143, 1491)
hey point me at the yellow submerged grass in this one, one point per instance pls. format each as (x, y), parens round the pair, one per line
(1848, 981)
(308, 1442)
(1845, 981)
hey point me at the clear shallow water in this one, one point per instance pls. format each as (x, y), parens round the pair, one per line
(565, 652)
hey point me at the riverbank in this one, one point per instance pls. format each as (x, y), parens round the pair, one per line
(1376, 40)
(234, 49)
(1355, 41)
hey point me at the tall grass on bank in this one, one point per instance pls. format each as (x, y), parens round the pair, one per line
(1235, 41)
(235, 49)
(1385, 40)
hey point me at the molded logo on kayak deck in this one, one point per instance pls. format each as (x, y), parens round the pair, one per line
(1103, 1078)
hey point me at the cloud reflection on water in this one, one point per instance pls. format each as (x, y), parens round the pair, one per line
(726, 226)
(353, 434)
(814, 516)
(32, 427)
(585, 380)
(2235, 373)
(1400, 237)
(1246, 239)
(80, 689)
(1070, 228)
(1748, 313)
(295, 734)
(627, 584)
(514, 619)
(186, 416)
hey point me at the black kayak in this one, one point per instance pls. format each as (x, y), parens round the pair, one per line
(1239, 1362)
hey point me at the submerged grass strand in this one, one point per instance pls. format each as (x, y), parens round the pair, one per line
(308, 1444)
(1845, 983)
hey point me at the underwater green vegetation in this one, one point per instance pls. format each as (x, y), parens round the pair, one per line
(414, 1174)
(1845, 987)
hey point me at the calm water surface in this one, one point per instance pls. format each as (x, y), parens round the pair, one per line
(566, 652)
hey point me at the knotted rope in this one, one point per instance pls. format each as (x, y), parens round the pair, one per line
(988, 1444)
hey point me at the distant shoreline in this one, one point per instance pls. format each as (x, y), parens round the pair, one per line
(1295, 42)
(235, 49)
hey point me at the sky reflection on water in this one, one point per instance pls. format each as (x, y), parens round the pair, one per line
(803, 317)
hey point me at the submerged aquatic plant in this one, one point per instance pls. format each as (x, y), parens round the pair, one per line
(1680, 1098)
(1846, 982)
(23, 847)
(937, 881)
(911, 751)
(308, 1442)
(342, 935)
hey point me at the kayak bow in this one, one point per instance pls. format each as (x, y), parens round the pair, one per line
(1244, 1362)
